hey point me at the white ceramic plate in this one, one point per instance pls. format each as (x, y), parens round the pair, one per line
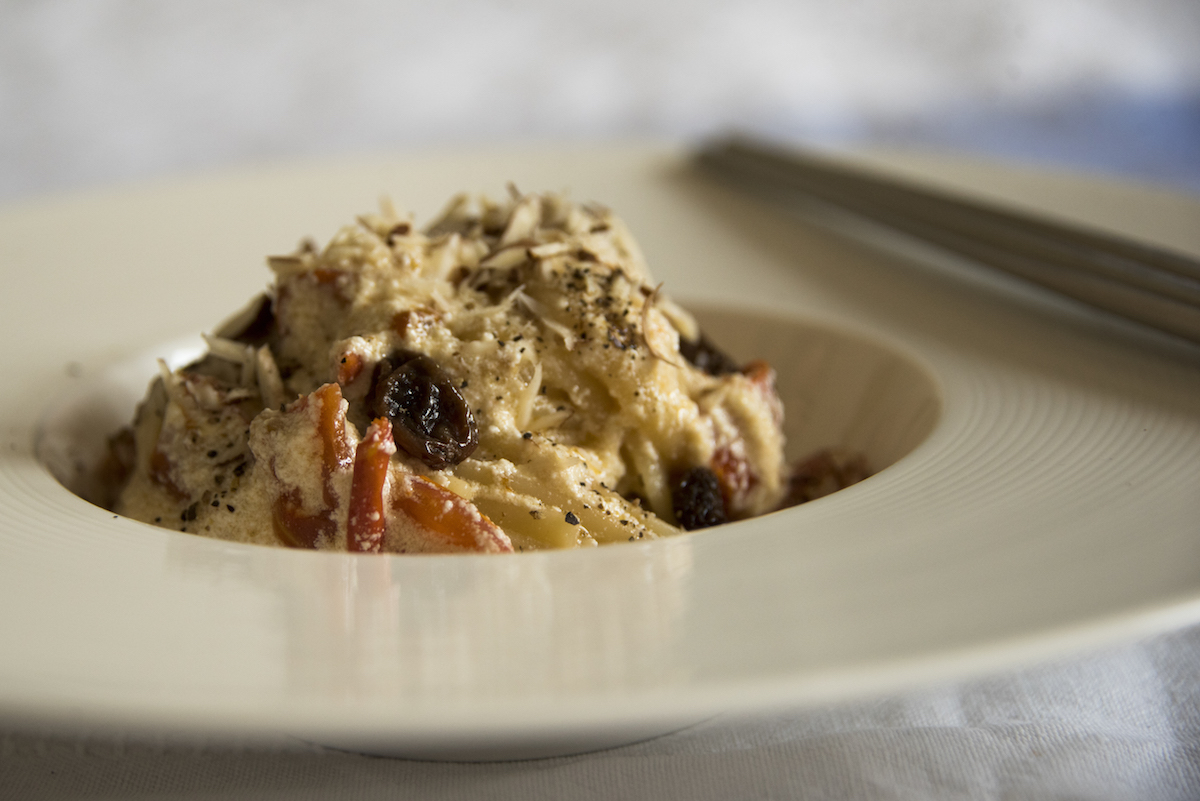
(1040, 494)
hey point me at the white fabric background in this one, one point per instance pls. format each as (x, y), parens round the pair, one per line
(95, 93)
(1122, 724)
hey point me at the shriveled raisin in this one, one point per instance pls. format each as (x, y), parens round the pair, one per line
(704, 355)
(254, 325)
(697, 500)
(430, 419)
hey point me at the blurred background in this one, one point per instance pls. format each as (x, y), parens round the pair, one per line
(101, 91)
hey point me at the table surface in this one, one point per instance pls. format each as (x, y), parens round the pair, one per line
(1119, 724)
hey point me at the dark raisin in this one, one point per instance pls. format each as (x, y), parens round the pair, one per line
(226, 373)
(704, 355)
(430, 419)
(697, 500)
(256, 323)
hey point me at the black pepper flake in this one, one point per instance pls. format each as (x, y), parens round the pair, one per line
(527, 435)
(572, 519)
(158, 520)
(463, 385)
(704, 355)
(212, 454)
(216, 503)
(230, 508)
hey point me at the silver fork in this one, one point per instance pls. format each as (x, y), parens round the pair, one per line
(1137, 281)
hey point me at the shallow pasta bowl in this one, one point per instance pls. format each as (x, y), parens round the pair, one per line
(1035, 485)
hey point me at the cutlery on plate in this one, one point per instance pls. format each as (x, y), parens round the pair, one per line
(1137, 281)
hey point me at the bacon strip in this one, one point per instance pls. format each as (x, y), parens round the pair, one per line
(292, 525)
(366, 524)
(349, 367)
(735, 473)
(451, 522)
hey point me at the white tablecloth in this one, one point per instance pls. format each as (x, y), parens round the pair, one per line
(1120, 724)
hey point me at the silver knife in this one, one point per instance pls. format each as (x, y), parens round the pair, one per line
(1137, 281)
